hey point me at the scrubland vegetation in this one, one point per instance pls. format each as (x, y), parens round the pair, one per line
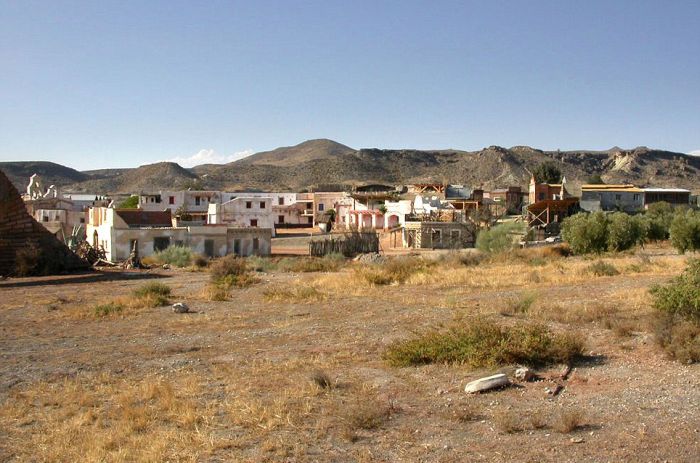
(302, 359)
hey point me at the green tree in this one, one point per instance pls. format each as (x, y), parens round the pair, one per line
(685, 231)
(499, 238)
(547, 172)
(625, 231)
(132, 202)
(659, 217)
(586, 233)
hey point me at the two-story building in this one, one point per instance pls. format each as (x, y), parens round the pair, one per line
(119, 231)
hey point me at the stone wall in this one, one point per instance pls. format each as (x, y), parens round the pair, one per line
(23, 240)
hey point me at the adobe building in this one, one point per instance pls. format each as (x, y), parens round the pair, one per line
(24, 240)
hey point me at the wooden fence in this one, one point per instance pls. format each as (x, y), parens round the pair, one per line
(349, 244)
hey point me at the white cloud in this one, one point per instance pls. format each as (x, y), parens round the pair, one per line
(209, 156)
(695, 153)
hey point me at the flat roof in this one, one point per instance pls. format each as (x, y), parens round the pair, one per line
(666, 190)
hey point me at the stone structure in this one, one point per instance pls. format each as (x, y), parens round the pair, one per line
(24, 240)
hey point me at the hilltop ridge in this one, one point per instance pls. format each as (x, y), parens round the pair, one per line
(322, 161)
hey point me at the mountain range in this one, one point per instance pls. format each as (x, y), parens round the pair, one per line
(320, 164)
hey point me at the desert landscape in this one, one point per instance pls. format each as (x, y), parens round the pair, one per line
(308, 359)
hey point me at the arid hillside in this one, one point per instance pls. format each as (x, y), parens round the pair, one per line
(323, 162)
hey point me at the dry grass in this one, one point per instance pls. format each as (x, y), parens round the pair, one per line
(508, 421)
(295, 294)
(569, 420)
(105, 418)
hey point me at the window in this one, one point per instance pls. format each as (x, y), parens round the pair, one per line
(249, 204)
(197, 201)
(82, 220)
(161, 243)
(45, 218)
(618, 197)
(320, 207)
(636, 197)
(310, 220)
(262, 204)
(171, 200)
(253, 222)
(280, 219)
(541, 196)
(280, 200)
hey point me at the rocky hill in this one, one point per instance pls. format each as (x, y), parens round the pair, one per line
(323, 162)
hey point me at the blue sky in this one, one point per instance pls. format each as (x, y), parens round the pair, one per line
(118, 84)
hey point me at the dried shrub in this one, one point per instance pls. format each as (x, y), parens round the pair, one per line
(295, 293)
(519, 305)
(601, 268)
(392, 271)
(327, 263)
(232, 271)
(228, 265)
(200, 261)
(508, 421)
(322, 379)
(679, 337)
(482, 343)
(467, 412)
(569, 420)
(367, 414)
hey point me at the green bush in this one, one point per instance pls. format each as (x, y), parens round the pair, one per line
(625, 231)
(677, 328)
(179, 256)
(682, 295)
(103, 310)
(685, 231)
(658, 220)
(153, 288)
(586, 233)
(482, 343)
(500, 238)
(132, 202)
(153, 294)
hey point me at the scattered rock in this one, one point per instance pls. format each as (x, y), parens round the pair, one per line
(179, 307)
(166, 266)
(525, 374)
(577, 440)
(485, 384)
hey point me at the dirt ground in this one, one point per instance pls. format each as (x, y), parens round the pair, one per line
(232, 381)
